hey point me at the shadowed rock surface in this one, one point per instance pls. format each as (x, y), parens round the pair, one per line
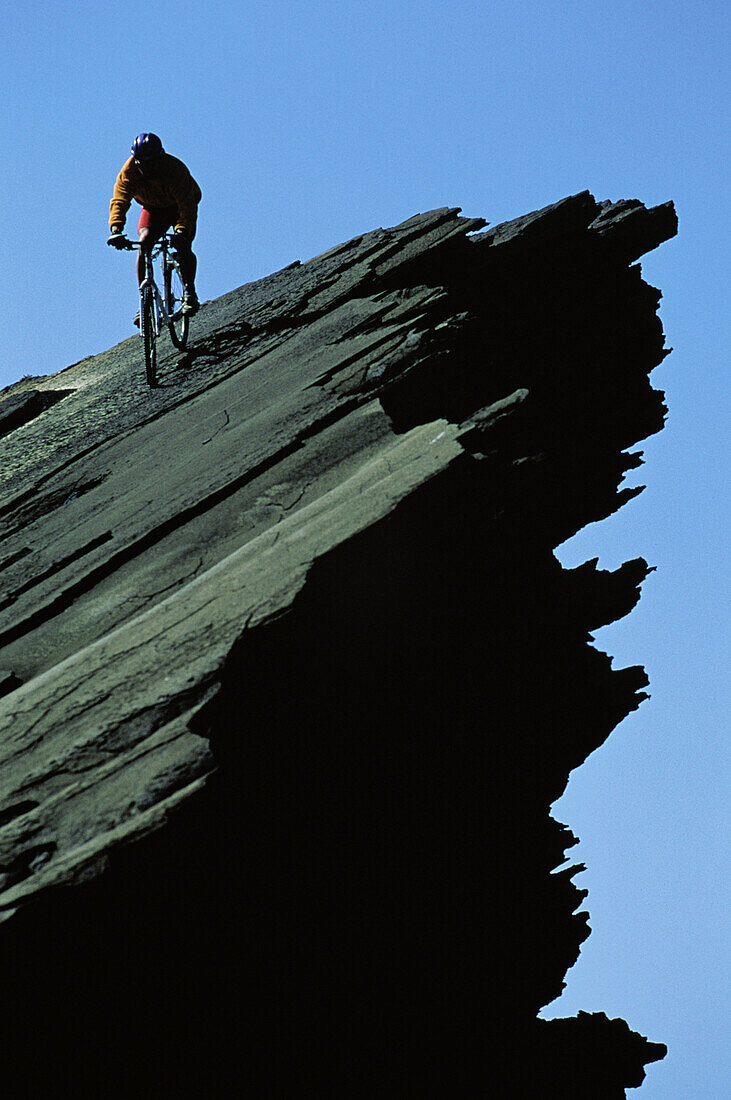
(291, 675)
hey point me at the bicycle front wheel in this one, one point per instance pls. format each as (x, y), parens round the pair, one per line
(148, 330)
(174, 291)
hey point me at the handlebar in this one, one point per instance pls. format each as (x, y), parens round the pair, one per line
(119, 241)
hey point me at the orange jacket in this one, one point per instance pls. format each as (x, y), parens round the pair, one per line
(172, 185)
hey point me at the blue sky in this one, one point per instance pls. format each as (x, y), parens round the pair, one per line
(308, 122)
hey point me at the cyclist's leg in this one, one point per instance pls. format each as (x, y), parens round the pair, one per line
(144, 235)
(187, 261)
(154, 221)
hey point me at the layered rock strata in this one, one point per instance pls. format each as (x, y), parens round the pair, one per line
(293, 676)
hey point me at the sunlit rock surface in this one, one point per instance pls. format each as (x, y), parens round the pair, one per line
(291, 677)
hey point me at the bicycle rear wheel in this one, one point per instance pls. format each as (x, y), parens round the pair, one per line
(174, 291)
(148, 330)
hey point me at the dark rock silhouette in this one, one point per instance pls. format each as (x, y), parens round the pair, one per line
(293, 676)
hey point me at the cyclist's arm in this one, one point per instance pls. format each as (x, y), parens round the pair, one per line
(121, 198)
(187, 196)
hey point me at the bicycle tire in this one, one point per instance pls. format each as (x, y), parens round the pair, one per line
(173, 292)
(148, 330)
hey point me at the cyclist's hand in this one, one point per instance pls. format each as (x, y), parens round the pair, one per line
(117, 240)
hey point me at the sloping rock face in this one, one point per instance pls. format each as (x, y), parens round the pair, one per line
(292, 675)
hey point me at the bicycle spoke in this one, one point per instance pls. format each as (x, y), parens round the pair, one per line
(174, 293)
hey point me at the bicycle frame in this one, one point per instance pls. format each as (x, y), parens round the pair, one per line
(160, 250)
(156, 306)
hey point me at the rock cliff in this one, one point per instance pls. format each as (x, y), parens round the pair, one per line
(291, 674)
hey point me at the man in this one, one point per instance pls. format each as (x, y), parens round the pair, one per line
(169, 196)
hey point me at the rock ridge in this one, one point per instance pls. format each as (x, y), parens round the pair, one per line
(293, 675)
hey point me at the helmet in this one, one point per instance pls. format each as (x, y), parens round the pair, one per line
(146, 147)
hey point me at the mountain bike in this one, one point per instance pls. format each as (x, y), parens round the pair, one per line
(158, 308)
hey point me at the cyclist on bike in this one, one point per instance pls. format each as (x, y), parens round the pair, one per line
(169, 196)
